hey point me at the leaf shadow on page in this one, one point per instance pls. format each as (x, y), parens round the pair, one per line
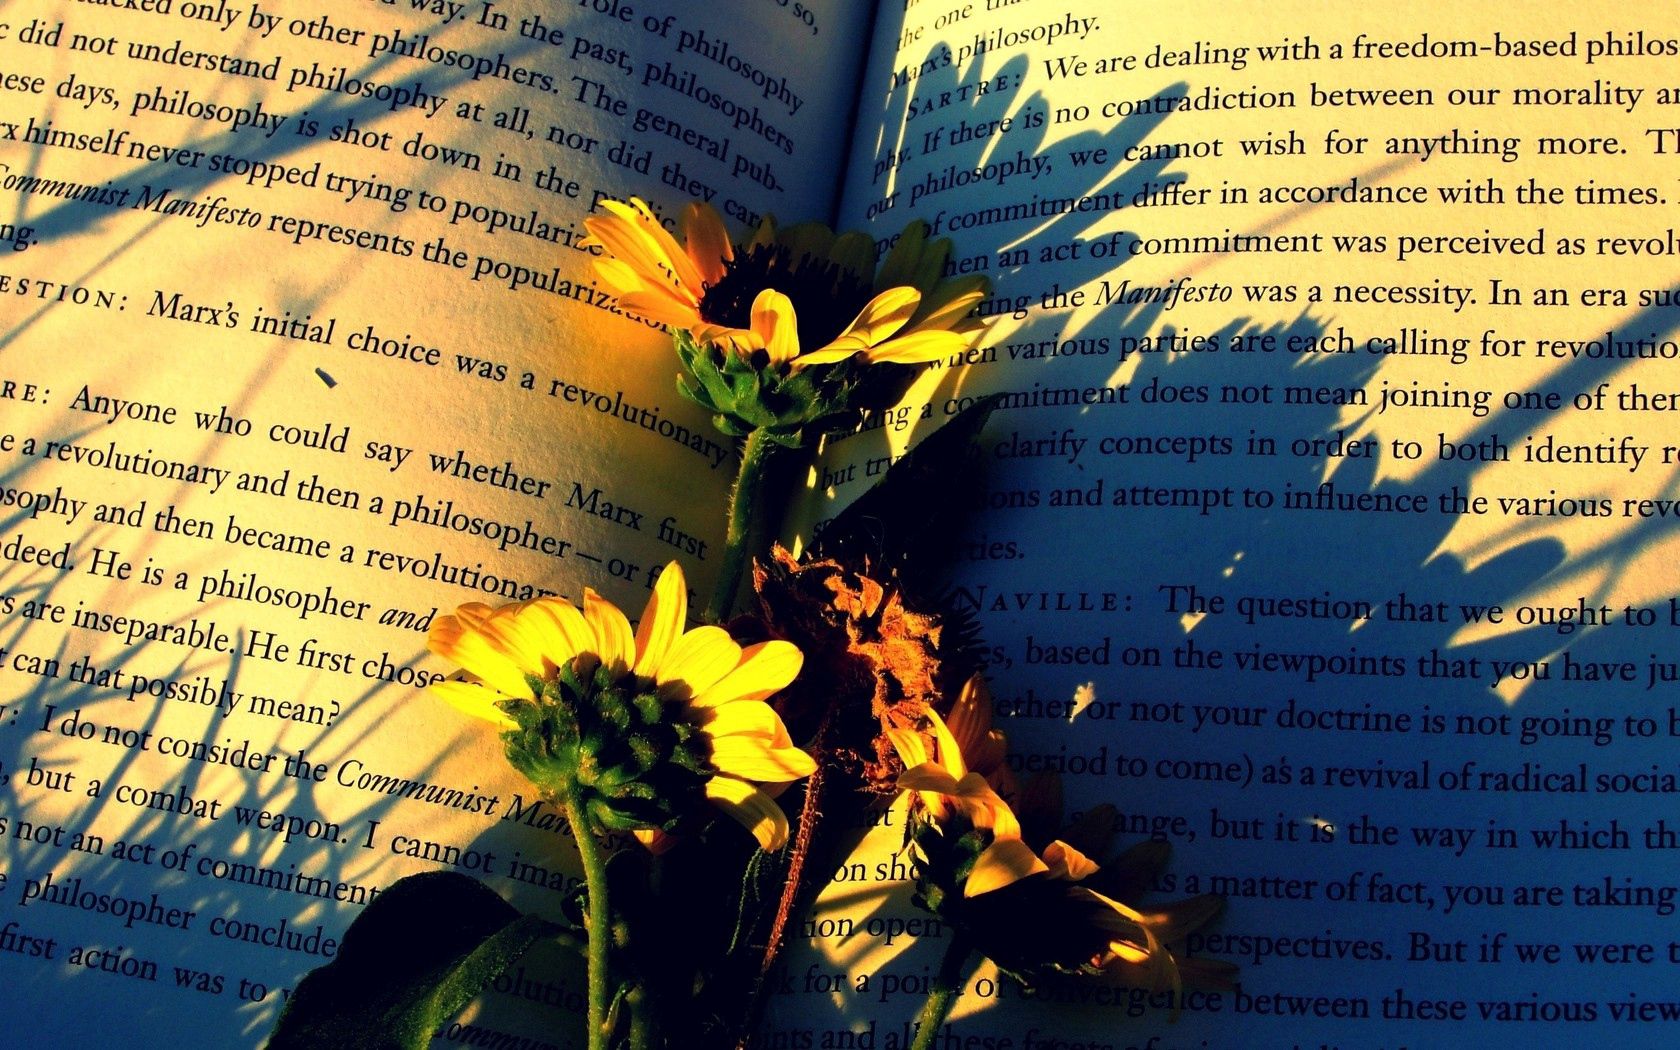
(68, 729)
(246, 852)
(161, 185)
(1427, 603)
(1394, 586)
(253, 874)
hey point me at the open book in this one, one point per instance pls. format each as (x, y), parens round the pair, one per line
(1338, 361)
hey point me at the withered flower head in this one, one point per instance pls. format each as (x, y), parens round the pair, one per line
(873, 662)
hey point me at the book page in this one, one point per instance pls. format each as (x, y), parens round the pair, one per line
(1336, 455)
(299, 349)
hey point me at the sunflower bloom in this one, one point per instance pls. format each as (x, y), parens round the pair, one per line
(946, 789)
(643, 724)
(789, 298)
(1036, 913)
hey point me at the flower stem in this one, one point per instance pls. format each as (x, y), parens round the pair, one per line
(741, 502)
(794, 879)
(598, 921)
(810, 815)
(641, 1019)
(943, 995)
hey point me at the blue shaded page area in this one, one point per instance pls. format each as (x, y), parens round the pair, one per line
(1336, 351)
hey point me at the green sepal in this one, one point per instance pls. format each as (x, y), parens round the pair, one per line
(792, 408)
(616, 746)
(943, 863)
(424, 949)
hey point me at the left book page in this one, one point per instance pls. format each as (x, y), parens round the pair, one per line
(299, 349)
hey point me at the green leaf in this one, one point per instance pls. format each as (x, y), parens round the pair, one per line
(695, 394)
(412, 960)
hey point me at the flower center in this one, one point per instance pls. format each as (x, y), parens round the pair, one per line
(826, 297)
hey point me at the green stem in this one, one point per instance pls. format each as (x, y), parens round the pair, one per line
(598, 922)
(943, 995)
(641, 1019)
(741, 505)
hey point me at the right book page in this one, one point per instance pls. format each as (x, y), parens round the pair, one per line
(1336, 451)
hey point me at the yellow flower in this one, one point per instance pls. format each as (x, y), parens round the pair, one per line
(787, 294)
(636, 719)
(946, 787)
(1030, 913)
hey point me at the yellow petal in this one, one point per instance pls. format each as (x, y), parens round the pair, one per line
(752, 808)
(970, 722)
(660, 306)
(783, 737)
(902, 262)
(917, 348)
(949, 302)
(985, 808)
(614, 640)
(621, 277)
(662, 620)
(474, 653)
(738, 341)
(504, 630)
(911, 747)
(1121, 920)
(952, 315)
(1068, 863)
(625, 240)
(565, 633)
(659, 244)
(807, 238)
(656, 841)
(946, 750)
(1179, 919)
(928, 776)
(696, 662)
(474, 700)
(765, 233)
(831, 354)
(473, 613)
(877, 321)
(971, 715)
(854, 253)
(773, 321)
(707, 240)
(748, 758)
(884, 315)
(929, 264)
(765, 670)
(1003, 862)
(752, 718)
(1137, 952)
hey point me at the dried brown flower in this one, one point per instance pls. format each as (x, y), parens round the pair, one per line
(871, 663)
